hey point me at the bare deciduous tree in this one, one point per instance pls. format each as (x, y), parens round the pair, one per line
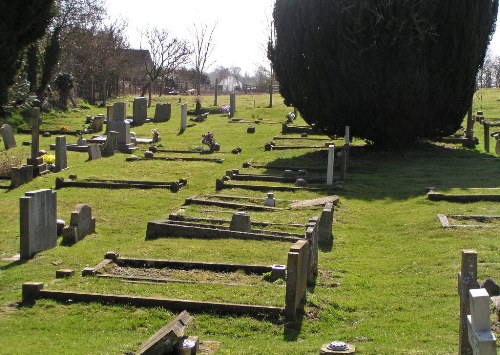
(167, 54)
(203, 46)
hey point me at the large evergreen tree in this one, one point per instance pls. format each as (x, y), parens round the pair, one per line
(23, 22)
(395, 71)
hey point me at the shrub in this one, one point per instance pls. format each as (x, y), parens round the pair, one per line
(395, 71)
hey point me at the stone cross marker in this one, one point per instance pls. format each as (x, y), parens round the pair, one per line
(8, 137)
(35, 123)
(38, 222)
(140, 110)
(329, 169)
(183, 117)
(61, 153)
(467, 279)
(481, 337)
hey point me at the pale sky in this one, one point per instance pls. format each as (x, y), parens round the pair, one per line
(240, 34)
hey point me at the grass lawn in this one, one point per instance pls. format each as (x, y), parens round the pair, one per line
(387, 285)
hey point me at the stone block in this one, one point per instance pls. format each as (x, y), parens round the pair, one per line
(9, 140)
(98, 123)
(183, 117)
(88, 271)
(111, 144)
(325, 225)
(251, 129)
(62, 273)
(94, 151)
(82, 219)
(70, 235)
(31, 291)
(241, 222)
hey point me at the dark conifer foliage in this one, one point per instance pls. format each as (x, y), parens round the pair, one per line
(393, 70)
(23, 21)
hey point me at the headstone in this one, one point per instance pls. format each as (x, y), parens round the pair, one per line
(61, 154)
(163, 112)
(325, 225)
(98, 123)
(38, 226)
(21, 175)
(35, 122)
(329, 169)
(347, 134)
(270, 200)
(251, 129)
(467, 280)
(296, 278)
(111, 144)
(232, 104)
(486, 128)
(94, 152)
(481, 338)
(81, 224)
(8, 137)
(183, 117)
(119, 111)
(241, 222)
(123, 138)
(109, 113)
(140, 110)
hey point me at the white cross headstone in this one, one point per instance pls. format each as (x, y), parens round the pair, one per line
(329, 170)
(481, 337)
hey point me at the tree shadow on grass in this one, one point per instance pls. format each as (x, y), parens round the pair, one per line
(375, 175)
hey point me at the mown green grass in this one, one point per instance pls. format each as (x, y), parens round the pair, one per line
(387, 285)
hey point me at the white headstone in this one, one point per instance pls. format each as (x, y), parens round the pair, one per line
(329, 170)
(270, 200)
(481, 337)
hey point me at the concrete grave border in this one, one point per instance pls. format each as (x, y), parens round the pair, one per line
(221, 184)
(462, 198)
(120, 184)
(443, 219)
(208, 160)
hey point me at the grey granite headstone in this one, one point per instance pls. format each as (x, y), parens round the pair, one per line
(123, 129)
(111, 144)
(119, 111)
(232, 104)
(140, 110)
(241, 222)
(21, 175)
(38, 226)
(94, 152)
(8, 137)
(61, 154)
(183, 117)
(98, 123)
(163, 112)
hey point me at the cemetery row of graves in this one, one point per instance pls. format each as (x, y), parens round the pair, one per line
(243, 231)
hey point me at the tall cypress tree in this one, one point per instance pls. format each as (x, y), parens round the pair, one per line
(395, 71)
(23, 22)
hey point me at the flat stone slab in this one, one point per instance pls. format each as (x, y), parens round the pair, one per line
(208, 160)
(315, 202)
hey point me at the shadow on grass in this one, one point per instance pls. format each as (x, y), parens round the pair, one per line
(293, 329)
(13, 264)
(375, 175)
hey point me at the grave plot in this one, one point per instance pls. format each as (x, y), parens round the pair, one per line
(173, 186)
(149, 155)
(275, 298)
(466, 195)
(468, 221)
(300, 184)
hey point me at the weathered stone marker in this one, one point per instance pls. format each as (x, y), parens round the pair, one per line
(347, 134)
(38, 222)
(163, 112)
(232, 104)
(94, 151)
(140, 110)
(98, 123)
(111, 144)
(329, 169)
(481, 338)
(183, 117)
(81, 224)
(270, 200)
(8, 137)
(119, 111)
(241, 222)
(486, 128)
(61, 154)
(296, 280)
(467, 280)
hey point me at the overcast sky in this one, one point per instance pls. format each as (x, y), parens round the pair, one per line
(240, 34)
